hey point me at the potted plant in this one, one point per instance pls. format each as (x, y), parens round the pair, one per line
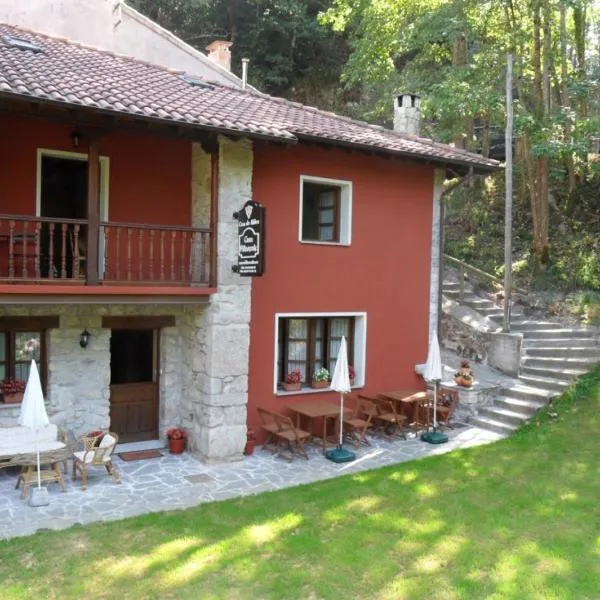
(12, 390)
(320, 378)
(464, 376)
(250, 442)
(293, 381)
(352, 374)
(176, 437)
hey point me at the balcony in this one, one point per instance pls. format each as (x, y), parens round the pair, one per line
(46, 251)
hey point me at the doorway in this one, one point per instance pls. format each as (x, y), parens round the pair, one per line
(134, 385)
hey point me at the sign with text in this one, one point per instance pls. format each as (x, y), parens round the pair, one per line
(251, 239)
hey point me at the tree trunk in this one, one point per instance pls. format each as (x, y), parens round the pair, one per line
(459, 59)
(565, 102)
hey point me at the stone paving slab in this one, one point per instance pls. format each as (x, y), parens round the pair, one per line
(181, 481)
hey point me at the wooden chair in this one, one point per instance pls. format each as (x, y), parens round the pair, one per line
(95, 456)
(391, 423)
(269, 424)
(447, 401)
(293, 438)
(359, 422)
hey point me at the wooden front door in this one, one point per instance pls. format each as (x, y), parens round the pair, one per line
(134, 384)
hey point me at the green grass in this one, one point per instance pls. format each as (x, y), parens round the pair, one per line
(517, 519)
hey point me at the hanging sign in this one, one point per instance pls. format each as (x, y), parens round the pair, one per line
(251, 239)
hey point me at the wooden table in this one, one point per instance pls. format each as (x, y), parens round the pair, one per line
(315, 410)
(28, 476)
(414, 398)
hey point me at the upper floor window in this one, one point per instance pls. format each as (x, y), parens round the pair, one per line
(325, 210)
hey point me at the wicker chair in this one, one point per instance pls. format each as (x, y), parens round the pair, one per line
(95, 454)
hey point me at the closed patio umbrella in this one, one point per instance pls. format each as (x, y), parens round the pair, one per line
(433, 374)
(34, 416)
(340, 382)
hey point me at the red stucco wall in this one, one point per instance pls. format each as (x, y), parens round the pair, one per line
(149, 176)
(384, 272)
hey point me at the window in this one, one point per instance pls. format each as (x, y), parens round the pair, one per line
(325, 208)
(309, 342)
(17, 350)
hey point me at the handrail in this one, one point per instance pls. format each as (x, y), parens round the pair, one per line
(155, 227)
(478, 273)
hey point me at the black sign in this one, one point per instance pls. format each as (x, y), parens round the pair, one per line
(251, 239)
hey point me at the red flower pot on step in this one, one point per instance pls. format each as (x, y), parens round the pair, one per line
(176, 438)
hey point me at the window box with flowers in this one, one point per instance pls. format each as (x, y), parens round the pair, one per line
(351, 374)
(176, 437)
(320, 378)
(293, 381)
(12, 390)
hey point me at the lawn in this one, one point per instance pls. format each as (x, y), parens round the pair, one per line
(516, 519)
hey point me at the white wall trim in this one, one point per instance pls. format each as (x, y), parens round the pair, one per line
(104, 177)
(436, 225)
(345, 209)
(360, 342)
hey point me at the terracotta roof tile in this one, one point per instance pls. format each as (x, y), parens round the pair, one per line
(72, 73)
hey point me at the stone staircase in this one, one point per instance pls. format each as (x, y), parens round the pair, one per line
(552, 356)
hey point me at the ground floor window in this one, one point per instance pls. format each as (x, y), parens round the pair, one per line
(307, 343)
(17, 350)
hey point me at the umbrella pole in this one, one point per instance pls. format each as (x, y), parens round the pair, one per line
(436, 384)
(341, 419)
(37, 448)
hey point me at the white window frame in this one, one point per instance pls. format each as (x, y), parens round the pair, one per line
(345, 225)
(360, 347)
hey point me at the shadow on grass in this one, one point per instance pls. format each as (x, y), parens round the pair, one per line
(516, 519)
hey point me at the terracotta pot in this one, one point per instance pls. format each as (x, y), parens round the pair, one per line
(16, 398)
(249, 448)
(292, 387)
(176, 446)
(463, 382)
(319, 384)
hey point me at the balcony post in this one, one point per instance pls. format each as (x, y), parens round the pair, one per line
(93, 211)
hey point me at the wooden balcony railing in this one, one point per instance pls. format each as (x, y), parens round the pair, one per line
(151, 254)
(48, 250)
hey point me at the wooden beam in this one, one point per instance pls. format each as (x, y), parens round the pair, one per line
(152, 322)
(93, 211)
(29, 323)
(214, 216)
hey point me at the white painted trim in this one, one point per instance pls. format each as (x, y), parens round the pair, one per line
(434, 287)
(345, 209)
(360, 346)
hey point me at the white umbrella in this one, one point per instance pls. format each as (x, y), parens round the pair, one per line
(433, 373)
(33, 413)
(340, 382)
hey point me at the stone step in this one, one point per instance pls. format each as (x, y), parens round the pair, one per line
(533, 325)
(527, 407)
(451, 285)
(526, 392)
(451, 293)
(546, 383)
(492, 425)
(554, 373)
(560, 342)
(479, 303)
(559, 363)
(540, 334)
(503, 415)
(564, 351)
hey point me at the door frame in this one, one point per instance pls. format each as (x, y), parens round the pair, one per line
(104, 185)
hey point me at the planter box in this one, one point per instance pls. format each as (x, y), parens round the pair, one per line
(319, 384)
(12, 398)
(292, 387)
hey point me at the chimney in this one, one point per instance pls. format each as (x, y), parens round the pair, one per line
(407, 114)
(219, 53)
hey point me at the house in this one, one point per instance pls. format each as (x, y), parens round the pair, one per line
(118, 242)
(114, 25)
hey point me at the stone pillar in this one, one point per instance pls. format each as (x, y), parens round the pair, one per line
(504, 352)
(222, 332)
(436, 232)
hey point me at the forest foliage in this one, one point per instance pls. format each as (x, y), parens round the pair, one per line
(352, 56)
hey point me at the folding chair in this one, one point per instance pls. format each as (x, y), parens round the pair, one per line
(292, 437)
(268, 424)
(391, 423)
(357, 424)
(447, 401)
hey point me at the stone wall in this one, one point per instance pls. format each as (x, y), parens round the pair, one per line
(222, 334)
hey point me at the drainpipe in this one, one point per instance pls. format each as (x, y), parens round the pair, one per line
(245, 62)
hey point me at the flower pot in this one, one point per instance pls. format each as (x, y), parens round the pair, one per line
(249, 448)
(15, 398)
(463, 382)
(176, 446)
(351, 381)
(292, 387)
(319, 384)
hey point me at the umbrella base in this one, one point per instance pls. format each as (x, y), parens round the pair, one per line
(434, 437)
(38, 497)
(339, 455)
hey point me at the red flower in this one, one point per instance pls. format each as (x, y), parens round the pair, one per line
(12, 386)
(293, 376)
(177, 433)
(351, 372)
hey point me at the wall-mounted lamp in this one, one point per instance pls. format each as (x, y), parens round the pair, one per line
(75, 138)
(84, 338)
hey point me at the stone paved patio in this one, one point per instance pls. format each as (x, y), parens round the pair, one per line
(178, 482)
